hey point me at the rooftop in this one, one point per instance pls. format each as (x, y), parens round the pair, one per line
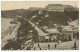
(54, 30)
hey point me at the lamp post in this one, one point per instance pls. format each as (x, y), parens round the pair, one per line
(75, 43)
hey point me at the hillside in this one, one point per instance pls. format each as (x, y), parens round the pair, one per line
(54, 17)
(12, 13)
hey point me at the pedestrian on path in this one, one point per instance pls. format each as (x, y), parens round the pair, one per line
(34, 48)
(39, 46)
(58, 41)
(55, 45)
(49, 46)
(28, 48)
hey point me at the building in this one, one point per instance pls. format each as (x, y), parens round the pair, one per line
(54, 34)
(67, 33)
(41, 37)
(75, 26)
(58, 7)
(74, 23)
(51, 35)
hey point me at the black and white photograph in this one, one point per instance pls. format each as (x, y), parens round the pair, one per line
(39, 25)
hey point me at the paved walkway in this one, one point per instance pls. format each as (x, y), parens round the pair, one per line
(41, 33)
(63, 45)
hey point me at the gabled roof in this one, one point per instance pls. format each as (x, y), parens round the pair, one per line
(74, 23)
(67, 28)
(54, 30)
(42, 34)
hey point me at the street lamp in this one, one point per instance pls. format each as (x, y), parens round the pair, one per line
(75, 43)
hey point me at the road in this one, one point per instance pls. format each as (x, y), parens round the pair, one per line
(62, 46)
(41, 33)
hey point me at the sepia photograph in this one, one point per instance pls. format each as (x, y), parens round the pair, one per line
(39, 25)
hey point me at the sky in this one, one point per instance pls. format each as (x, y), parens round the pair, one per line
(11, 5)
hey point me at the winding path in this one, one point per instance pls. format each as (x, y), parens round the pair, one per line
(40, 32)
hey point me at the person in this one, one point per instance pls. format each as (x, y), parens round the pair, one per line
(55, 45)
(58, 41)
(39, 46)
(28, 48)
(75, 45)
(48, 46)
(34, 48)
